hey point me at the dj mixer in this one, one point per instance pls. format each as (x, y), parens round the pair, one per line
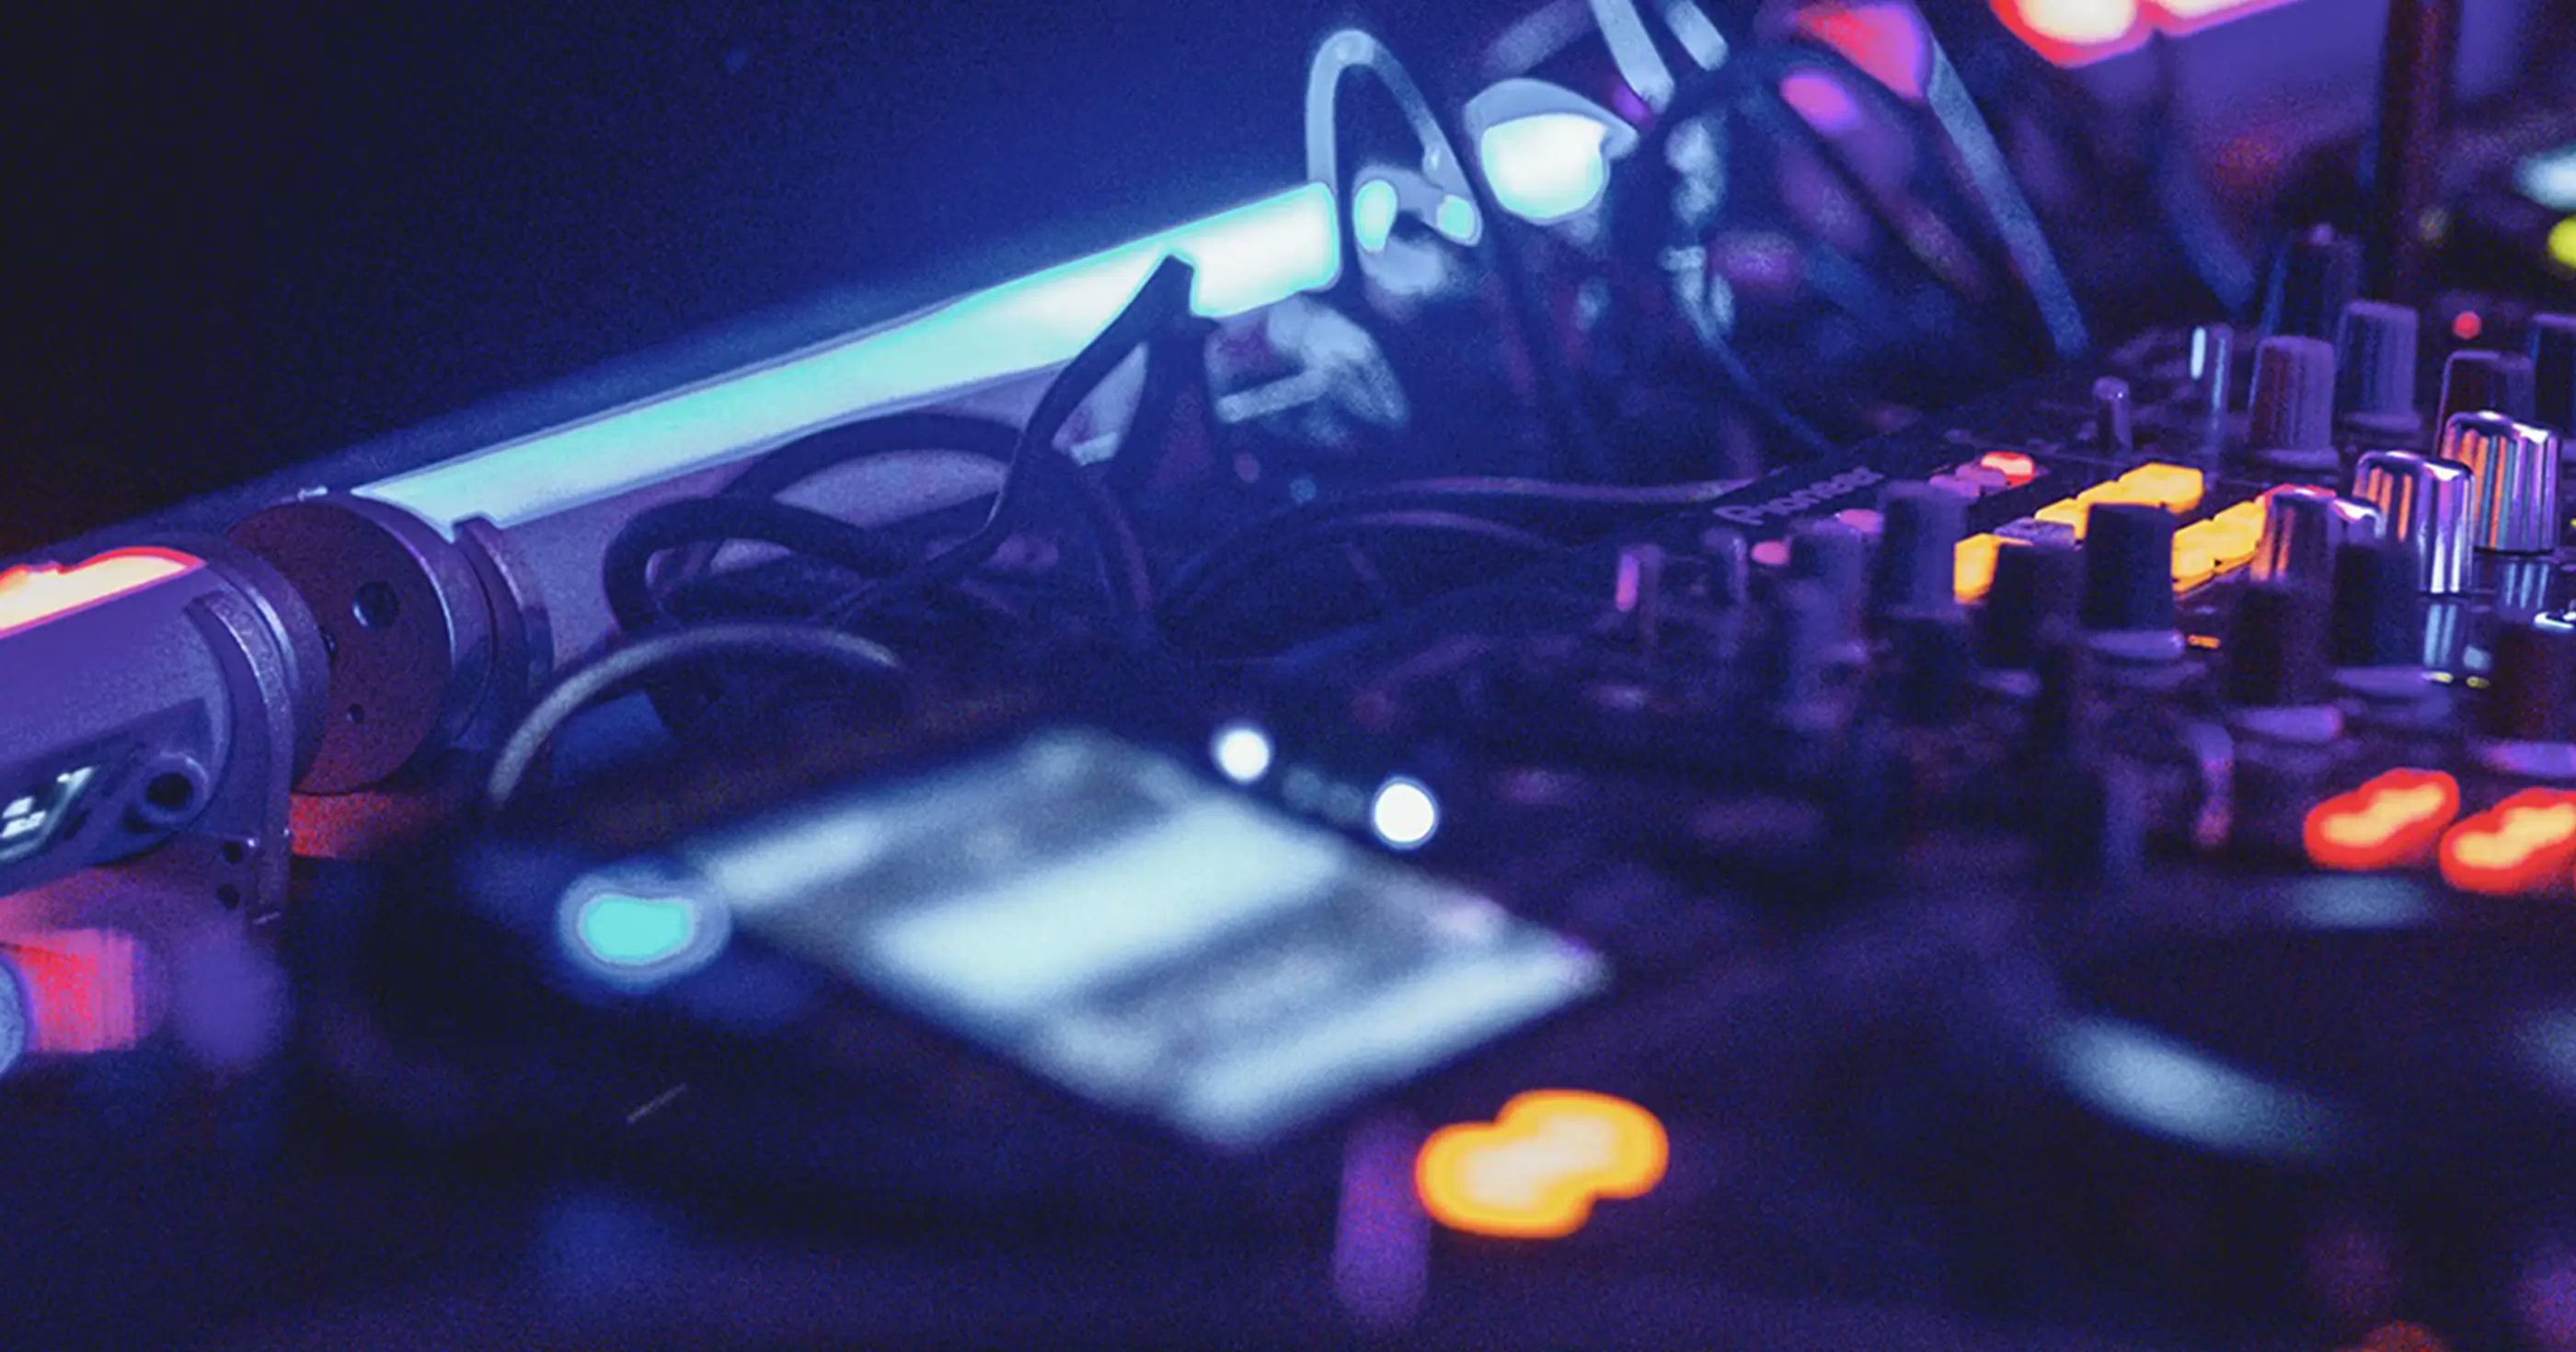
(1856, 714)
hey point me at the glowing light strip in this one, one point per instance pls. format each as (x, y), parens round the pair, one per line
(33, 594)
(1246, 258)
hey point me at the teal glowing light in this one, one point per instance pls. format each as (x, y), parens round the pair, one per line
(639, 936)
(636, 931)
(1246, 258)
(1546, 167)
(1457, 219)
(1373, 208)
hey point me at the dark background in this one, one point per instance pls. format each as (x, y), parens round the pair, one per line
(239, 237)
(243, 236)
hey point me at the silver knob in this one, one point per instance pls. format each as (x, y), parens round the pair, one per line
(2429, 506)
(2302, 528)
(2516, 468)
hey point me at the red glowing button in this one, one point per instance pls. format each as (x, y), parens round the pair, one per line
(31, 595)
(2466, 326)
(2524, 844)
(2079, 32)
(1885, 39)
(83, 989)
(2391, 822)
(1536, 1169)
(2017, 468)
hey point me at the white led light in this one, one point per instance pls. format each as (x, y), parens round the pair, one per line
(2549, 178)
(1546, 167)
(1404, 814)
(1242, 752)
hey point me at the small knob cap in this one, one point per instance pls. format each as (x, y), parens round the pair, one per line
(2486, 382)
(2213, 352)
(2378, 615)
(2291, 422)
(2302, 528)
(2516, 469)
(2031, 604)
(2428, 506)
(2276, 648)
(2531, 687)
(2553, 371)
(1918, 549)
(2375, 361)
(2128, 569)
(2114, 425)
(2317, 274)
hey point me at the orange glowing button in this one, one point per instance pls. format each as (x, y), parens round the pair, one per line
(2017, 468)
(1973, 567)
(2391, 822)
(2192, 565)
(1536, 1169)
(2067, 512)
(2176, 488)
(2524, 844)
(29, 596)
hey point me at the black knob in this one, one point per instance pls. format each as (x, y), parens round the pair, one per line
(2375, 364)
(2031, 603)
(2553, 361)
(2128, 569)
(2316, 275)
(2291, 420)
(1918, 549)
(2276, 648)
(2486, 382)
(1730, 565)
(1806, 629)
(1835, 559)
(2531, 686)
(2378, 614)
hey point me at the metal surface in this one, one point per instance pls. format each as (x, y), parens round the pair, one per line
(2515, 466)
(407, 621)
(2428, 505)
